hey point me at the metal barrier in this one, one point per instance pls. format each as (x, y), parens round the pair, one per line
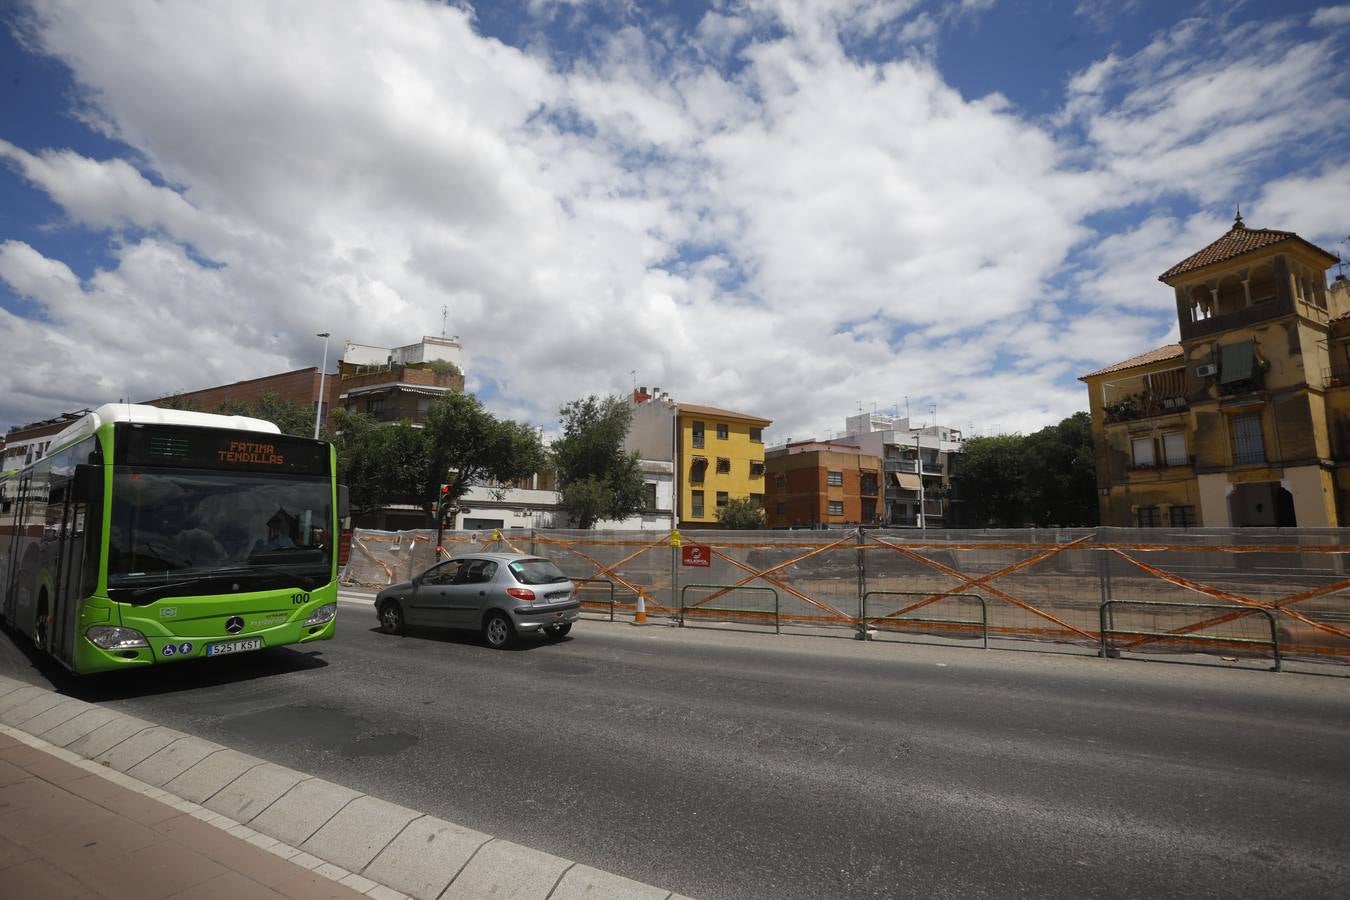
(1037, 585)
(1107, 625)
(727, 588)
(899, 617)
(580, 581)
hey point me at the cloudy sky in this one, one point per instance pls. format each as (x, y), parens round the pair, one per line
(794, 208)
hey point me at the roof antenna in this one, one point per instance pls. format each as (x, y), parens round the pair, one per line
(1237, 219)
(443, 312)
(1340, 259)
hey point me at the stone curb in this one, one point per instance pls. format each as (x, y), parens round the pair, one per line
(370, 845)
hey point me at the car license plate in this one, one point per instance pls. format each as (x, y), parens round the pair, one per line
(234, 647)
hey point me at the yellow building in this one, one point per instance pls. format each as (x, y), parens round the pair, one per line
(718, 454)
(1245, 422)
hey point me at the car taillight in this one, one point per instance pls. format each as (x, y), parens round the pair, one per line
(521, 593)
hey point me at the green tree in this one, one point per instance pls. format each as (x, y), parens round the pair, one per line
(741, 512)
(292, 418)
(596, 478)
(1043, 479)
(1060, 475)
(380, 463)
(990, 479)
(467, 445)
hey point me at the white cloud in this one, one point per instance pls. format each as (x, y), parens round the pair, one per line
(1331, 17)
(789, 237)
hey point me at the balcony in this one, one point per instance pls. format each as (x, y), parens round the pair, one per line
(901, 465)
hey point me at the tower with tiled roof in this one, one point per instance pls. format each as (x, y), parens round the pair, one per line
(1242, 422)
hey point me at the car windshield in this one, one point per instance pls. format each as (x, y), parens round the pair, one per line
(177, 528)
(536, 571)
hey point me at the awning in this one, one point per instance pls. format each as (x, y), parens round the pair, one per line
(907, 480)
(1236, 362)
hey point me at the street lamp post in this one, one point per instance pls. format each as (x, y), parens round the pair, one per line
(918, 467)
(323, 370)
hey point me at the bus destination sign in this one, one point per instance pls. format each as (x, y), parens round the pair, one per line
(214, 448)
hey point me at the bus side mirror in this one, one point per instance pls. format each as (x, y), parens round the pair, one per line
(344, 506)
(87, 485)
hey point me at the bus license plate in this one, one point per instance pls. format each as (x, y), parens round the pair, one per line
(234, 647)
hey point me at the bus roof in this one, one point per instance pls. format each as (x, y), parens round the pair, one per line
(153, 415)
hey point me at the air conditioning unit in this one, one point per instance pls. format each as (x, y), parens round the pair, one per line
(1206, 370)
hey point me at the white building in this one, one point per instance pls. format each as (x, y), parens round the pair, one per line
(429, 349)
(917, 462)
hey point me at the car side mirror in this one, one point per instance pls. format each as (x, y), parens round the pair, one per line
(344, 502)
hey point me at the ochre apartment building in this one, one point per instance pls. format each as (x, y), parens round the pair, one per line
(1246, 421)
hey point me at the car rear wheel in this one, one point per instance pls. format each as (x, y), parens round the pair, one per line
(497, 631)
(391, 618)
(558, 631)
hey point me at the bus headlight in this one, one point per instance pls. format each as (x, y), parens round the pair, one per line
(115, 637)
(322, 614)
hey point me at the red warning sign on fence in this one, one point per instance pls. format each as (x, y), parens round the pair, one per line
(696, 555)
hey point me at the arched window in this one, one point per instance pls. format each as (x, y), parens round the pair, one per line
(1202, 302)
(1232, 295)
(1261, 284)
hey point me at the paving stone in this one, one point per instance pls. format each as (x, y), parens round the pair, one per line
(303, 810)
(64, 711)
(503, 870)
(252, 792)
(73, 729)
(137, 748)
(425, 856)
(168, 763)
(208, 777)
(34, 706)
(361, 830)
(584, 883)
(14, 699)
(105, 737)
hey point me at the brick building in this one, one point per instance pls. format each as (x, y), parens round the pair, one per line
(399, 383)
(300, 387)
(26, 443)
(821, 483)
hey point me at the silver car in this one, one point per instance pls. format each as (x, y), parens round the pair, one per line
(500, 595)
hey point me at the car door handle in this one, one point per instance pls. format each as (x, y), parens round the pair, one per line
(482, 593)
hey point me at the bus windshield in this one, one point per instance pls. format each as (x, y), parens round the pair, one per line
(184, 532)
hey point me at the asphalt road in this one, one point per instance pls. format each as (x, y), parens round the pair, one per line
(726, 764)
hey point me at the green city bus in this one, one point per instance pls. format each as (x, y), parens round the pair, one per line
(149, 536)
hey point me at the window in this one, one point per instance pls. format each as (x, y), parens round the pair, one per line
(722, 431)
(1182, 516)
(723, 466)
(836, 507)
(1141, 449)
(697, 469)
(780, 480)
(756, 469)
(781, 508)
(696, 504)
(723, 498)
(758, 500)
(649, 496)
(834, 479)
(1147, 517)
(697, 429)
(1174, 448)
(1248, 447)
(756, 435)
(375, 406)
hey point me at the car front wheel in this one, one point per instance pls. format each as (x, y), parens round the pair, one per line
(391, 618)
(497, 631)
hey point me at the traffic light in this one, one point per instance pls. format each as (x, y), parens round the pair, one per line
(443, 503)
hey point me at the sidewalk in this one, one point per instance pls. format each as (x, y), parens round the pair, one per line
(67, 830)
